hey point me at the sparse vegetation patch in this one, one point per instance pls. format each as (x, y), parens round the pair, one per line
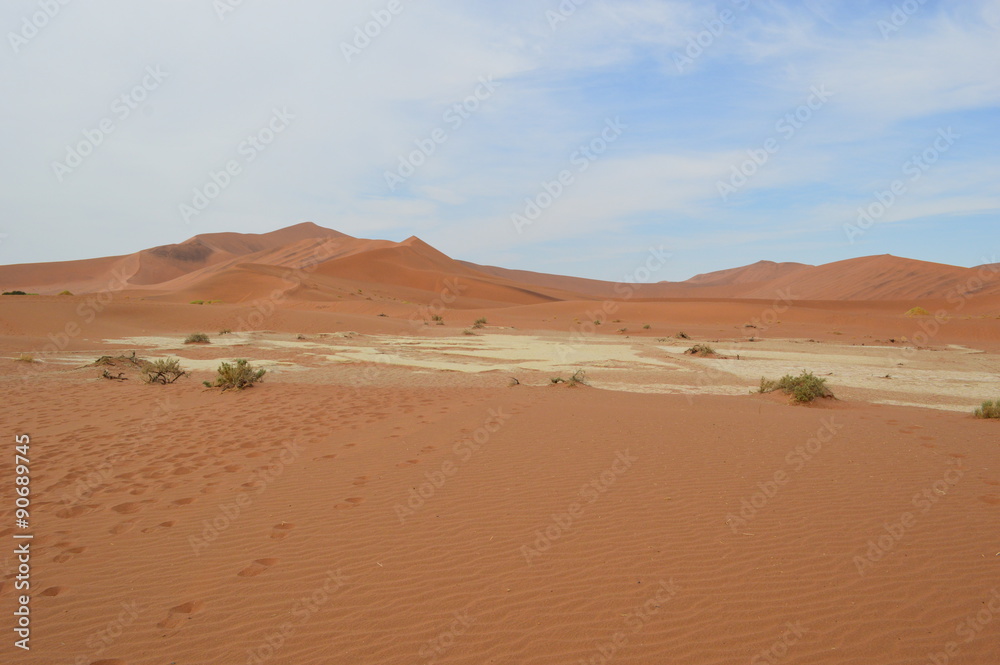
(805, 387)
(988, 409)
(238, 375)
(197, 338)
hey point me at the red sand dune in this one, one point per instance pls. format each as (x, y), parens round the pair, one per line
(313, 264)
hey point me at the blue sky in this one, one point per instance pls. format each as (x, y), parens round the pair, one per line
(732, 132)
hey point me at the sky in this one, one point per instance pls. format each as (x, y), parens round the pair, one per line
(562, 136)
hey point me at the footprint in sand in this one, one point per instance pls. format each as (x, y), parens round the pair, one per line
(180, 613)
(324, 457)
(281, 531)
(350, 445)
(66, 555)
(161, 525)
(54, 591)
(351, 502)
(427, 449)
(184, 502)
(257, 567)
(76, 511)
(360, 481)
(991, 482)
(409, 462)
(129, 508)
(113, 661)
(992, 499)
(124, 527)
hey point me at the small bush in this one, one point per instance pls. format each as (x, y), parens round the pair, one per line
(25, 358)
(197, 302)
(479, 323)
(468, 332)
(237, 376)
(162, 371)
(197, 338)
(65, 293)
(682, 335)
(918, 311)
(988, 410)
(700, 350)
(438, 318)
(225, 331)
(647, 327)
(14, 293)
(804, 388)
(383, 314)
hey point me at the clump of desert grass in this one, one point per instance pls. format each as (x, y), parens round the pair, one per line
(197, 338)
(163, 371)
(238, 375)
(804, 388)
(918, 311)
(25, 358)
(701, 350)
(988, 409)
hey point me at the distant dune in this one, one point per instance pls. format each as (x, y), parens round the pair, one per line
(310, 263)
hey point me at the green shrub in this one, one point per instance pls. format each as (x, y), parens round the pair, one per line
(804, 388)
(14, 293)
(25, 358)
(438, 318)
(988, 410)
(163, 371)
(65, 293)
(237, 376)
(197, 338)
(479, 323)
(918, 311)
(197, 302)
(682, 335)
(647, 327)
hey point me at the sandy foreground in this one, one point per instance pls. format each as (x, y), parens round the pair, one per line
(388, 496)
